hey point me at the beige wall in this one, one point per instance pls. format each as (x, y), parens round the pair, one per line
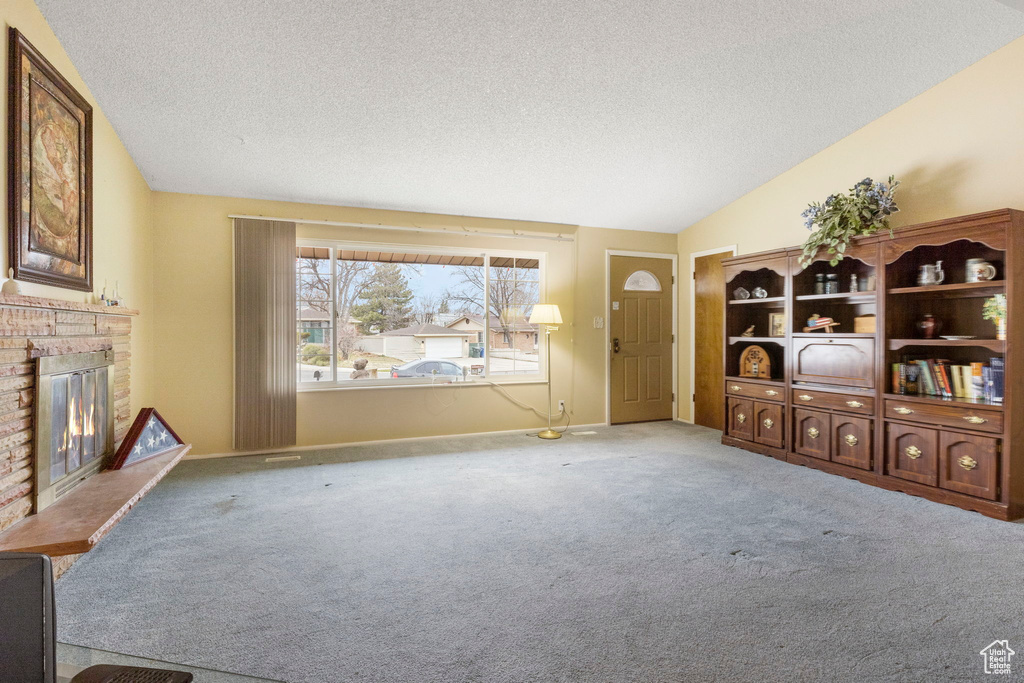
(958, 148)
(122, 206)
(193, 294)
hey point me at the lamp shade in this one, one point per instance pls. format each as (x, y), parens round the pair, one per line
(546, 314)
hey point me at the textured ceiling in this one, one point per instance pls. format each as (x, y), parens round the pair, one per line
(647, 115)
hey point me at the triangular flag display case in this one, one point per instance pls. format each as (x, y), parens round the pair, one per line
(149, 436)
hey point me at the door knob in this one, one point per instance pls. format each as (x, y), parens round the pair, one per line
(615, 345)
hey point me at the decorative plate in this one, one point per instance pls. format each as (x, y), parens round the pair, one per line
(954, 337)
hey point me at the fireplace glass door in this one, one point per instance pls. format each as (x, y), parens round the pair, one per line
(74, 420)
(79, 420)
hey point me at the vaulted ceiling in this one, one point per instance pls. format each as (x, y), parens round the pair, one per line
(613, 113)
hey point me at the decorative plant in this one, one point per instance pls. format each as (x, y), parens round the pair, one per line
(840, 218)
(995, 308)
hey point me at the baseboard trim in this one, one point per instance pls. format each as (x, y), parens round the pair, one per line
(300, 449)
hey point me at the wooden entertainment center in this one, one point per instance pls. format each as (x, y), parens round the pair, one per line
(830, 402)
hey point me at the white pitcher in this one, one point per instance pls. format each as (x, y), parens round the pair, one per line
(930, 274)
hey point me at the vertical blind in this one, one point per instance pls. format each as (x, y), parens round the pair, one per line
(265, 371)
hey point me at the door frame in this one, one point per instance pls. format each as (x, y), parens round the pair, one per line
(693, 320)
(608, 253)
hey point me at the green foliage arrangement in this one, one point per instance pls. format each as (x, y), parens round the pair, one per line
(995, 308)
(864, 211)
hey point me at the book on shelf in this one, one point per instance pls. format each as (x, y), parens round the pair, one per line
(998, 379)
(980, 381)
(977, 383)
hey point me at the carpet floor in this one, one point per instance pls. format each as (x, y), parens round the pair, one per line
(640, 553)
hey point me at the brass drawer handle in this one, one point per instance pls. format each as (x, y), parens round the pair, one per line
(913, 452)
(805, 397)
(771, 392)
(975, 420)
(855, 404)
(769, 423)
(967, 462)
(851, 439)
(741, 418)
(813, 432)
(735, 387)
(903, 411)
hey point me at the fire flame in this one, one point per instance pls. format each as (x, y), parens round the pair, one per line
(78, 425)
(74, 428)
(88, 426)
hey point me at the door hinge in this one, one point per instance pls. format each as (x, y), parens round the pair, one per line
(673, 279)
(673, 396)
(673, 339)
(694, 399)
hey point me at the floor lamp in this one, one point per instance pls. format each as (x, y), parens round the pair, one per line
(547, 315)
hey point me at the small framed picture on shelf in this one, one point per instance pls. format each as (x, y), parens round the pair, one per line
(776, 324)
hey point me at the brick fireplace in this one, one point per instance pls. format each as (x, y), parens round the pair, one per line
(32, 328)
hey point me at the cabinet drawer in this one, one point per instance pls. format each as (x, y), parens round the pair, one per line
(969, 463)
(963, 417)
(851, 441)
(834, 360)
(811, 432)
(768, 424)
(849, 403)
(740, 418)
(759, 391)
(912, 453)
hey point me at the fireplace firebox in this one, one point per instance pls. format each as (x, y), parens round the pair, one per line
(74, 431)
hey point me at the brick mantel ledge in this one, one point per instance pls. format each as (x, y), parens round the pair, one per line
(62, 305)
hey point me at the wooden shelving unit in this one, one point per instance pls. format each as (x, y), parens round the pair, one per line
(757, 340)
(830, 403)
(962, 289)
(758, 302)
(841, 296)
(965, 402)
(834, 335)
(994, 345)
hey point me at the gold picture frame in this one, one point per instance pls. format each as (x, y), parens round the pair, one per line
(776, 324)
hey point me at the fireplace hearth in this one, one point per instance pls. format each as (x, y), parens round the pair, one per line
(74, 432)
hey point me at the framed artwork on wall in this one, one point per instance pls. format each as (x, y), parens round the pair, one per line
(49, 172)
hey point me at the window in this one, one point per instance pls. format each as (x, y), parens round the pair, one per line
(382, 315)
(642, 281)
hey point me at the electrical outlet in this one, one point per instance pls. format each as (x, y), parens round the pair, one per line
(561, 407)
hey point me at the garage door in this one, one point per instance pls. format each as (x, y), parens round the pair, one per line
(444, 347)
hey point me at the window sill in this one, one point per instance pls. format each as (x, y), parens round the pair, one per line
(426, 385)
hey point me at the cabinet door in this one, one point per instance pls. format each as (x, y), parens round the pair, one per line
(768, 426)
(834, 360)
(912, 453)
(969, 464)
(741, 418)
(851, 441)
(811, 433)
